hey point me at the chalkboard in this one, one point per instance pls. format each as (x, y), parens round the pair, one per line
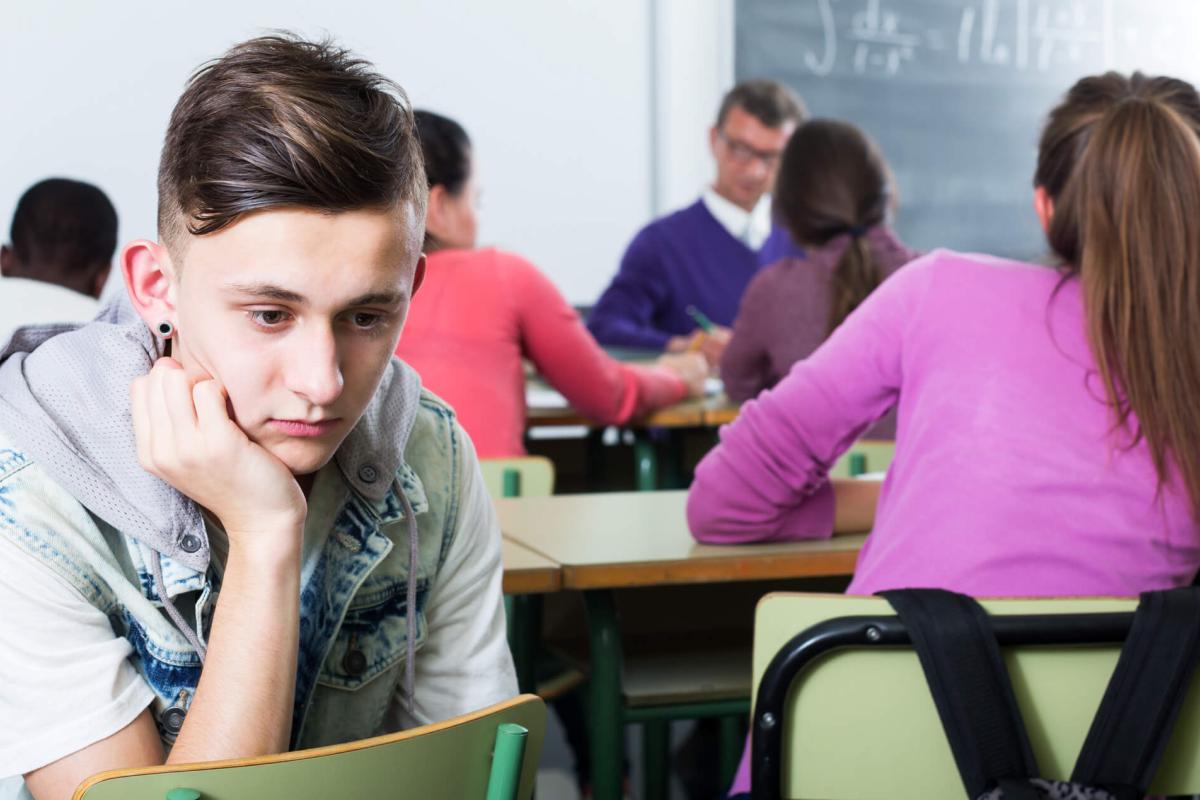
(956, 91)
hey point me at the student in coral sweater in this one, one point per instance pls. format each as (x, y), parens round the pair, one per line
(481, 310)
(1047, 415)
(834, 195)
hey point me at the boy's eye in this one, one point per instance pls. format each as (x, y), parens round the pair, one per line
(268, 317)
(365, 320)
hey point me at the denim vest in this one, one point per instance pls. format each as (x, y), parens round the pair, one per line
(353, 614)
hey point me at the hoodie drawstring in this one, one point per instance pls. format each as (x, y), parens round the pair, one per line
(410, 671)
(172, 611)
(410, 660)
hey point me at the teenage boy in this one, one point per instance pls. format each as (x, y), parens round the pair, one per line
(703, 256)
(60, 251)
(239, 428)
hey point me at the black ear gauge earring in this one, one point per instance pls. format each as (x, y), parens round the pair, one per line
(165, 330)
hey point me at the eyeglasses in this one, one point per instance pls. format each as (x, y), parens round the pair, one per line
(744, 153)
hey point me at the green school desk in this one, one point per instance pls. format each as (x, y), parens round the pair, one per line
(614, 540)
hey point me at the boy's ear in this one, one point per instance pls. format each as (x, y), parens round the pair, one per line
(7, 261)
(150, 280)
(418, 275)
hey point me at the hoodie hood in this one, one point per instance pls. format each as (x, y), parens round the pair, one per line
(64, 398)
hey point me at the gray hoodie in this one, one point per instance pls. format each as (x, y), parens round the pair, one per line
(64, 397)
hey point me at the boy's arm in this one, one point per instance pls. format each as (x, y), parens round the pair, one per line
(135, 745)
(465, 663)
(243, 702)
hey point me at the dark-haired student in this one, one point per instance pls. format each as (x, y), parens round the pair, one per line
(482, 310)
(231, 522)
(834, 196)
(704, 255)
(60, 251)
(1047, 417)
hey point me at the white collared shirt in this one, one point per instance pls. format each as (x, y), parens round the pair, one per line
(749, 227)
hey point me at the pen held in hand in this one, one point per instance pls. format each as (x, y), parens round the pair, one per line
(703, 322)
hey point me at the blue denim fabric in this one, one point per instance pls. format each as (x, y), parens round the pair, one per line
(353, 625)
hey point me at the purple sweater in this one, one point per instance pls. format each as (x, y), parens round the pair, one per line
(1006, 480)
(785, 312)
(685, 258)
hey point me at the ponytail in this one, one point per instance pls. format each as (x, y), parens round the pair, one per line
(856, 275)
(1127, 220)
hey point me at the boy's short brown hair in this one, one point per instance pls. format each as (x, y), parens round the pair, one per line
(770, 102)
(278, 121)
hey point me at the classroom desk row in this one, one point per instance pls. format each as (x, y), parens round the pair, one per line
(542, 410)
(600, 543)
(546, 408)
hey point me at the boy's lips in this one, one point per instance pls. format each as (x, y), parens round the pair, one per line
(300, 428)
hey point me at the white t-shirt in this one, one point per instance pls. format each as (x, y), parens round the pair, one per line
(65, 678)
(26, 302)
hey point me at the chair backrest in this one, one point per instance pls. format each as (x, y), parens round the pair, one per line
(867, 455)
(860, 722)
(523, 476)
(449, 759)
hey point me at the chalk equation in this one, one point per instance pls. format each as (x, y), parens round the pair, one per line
(884, 37)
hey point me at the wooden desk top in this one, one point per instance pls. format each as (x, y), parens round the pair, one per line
(620, 539)
(527, 572)
(707, 412)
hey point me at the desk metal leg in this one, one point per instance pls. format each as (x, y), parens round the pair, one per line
(656, 760)
(671, 470)
(645, 457)
(524, 637)
(608, 740)
(733, 738)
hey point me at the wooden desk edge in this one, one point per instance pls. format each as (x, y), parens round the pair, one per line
(710, 570)
(532, 581)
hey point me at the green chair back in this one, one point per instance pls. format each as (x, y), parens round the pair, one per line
(523, 476)
(860, 723)
(490, 754)
(865, 456)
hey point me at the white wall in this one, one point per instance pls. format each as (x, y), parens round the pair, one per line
(557, 95)
(692, 69)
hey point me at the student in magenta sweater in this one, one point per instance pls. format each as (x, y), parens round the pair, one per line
(1047, 415)
(482, 310)
(834, 195)
(705, 254)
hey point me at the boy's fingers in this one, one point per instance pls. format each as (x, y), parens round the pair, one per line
(209, 401)
(176, 395)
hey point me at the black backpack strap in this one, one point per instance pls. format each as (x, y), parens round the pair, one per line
(970, 686)
(1137, 715)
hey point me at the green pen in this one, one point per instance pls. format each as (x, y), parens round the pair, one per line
(702, 321)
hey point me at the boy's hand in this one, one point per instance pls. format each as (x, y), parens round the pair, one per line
(712, 344)
(185, 436)
(691, 367)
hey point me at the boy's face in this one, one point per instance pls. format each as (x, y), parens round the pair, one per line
(297, 313)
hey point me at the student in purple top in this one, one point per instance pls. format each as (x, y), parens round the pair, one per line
(1046, 443)
(705, 254)
(834, 195)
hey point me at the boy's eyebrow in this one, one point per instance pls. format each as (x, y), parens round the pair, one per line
(377, 298)
(272, 292)
(269, 291)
